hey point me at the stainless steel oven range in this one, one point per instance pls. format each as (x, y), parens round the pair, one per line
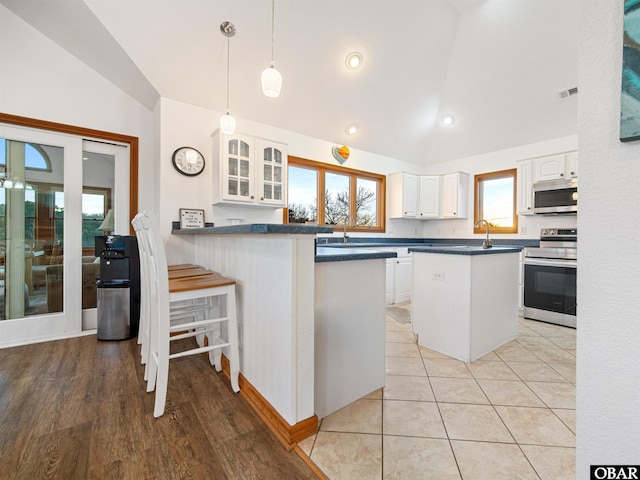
(550, 277)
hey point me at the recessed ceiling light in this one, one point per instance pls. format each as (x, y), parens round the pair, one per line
(351, 129)
(447, 119)
(353, 60)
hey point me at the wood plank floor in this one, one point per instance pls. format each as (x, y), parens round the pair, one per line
(77, 409)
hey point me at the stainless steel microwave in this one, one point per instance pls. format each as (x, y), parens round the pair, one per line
(556, 197)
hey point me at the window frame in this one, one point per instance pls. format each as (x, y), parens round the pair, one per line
(481, 177)
(322, 169)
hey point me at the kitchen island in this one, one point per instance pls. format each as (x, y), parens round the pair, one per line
(465, 298)
(278, 294)
(349, 325)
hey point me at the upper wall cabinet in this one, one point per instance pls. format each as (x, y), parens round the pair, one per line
(525, 187)
(429, 196)
(403, 195)
(455, 192)
(555, 167)
(552, 167)
(252, 171)
(571, 168)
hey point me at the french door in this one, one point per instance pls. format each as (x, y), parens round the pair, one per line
(51, 189)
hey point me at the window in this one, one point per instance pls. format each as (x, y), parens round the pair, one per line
(495, 201)
(332, 195)
(95, 204)
(35, 157)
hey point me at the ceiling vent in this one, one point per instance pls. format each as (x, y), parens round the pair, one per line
(568, 92)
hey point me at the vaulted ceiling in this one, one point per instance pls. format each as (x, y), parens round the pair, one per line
(497, 65)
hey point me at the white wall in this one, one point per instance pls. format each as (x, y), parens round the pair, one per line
(608, 380)
(183, 124)
(39, 79)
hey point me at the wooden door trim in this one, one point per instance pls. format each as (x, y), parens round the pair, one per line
(88, 134)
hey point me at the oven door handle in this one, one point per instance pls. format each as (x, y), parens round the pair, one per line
(545, 262)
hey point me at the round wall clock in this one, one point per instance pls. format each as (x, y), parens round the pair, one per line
(188, 161)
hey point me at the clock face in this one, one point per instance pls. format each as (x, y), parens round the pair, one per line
(188, 161)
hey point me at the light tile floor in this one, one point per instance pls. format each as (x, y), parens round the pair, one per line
(509, 415)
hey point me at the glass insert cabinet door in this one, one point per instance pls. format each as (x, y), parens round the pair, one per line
(39, 256)
(273, 174)
(239, 169)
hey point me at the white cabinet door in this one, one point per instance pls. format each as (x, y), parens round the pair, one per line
(236, 168)
(525, 187)
(454, 195)
(551, 167)
(272, 169)
(390, 269)
(403, 192)
(572, 165)
(403, 279)
(429, 196)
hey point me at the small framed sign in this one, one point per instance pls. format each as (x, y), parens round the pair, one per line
(191, 218)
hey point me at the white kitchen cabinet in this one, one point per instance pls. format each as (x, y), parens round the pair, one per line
(429, 196)
(399, 273)
(525, 187)
(403, 279)
(454, 195)
(521, 283)
(571, 165)
(272, 167)
(252, 171)
(389, 285)
(551, 167)
(403, 193)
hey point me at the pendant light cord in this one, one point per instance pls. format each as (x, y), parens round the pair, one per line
(273, 16)
(228, 68)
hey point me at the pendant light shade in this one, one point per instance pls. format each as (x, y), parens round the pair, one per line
(227, 122)
(271, 81)
(271, 78)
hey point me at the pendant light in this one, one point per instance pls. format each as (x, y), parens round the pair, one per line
(227, 122)
(271, 78)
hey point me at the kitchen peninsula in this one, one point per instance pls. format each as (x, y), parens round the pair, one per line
(288, 303)
(465, 298)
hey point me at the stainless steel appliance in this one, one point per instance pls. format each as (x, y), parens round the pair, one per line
(550, 277)
(556, 197)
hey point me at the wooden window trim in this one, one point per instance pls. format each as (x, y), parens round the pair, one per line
(512, 172)
(322, 169)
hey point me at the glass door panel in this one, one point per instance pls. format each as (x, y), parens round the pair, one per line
(35, 300)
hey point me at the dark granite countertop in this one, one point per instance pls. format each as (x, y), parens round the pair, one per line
(420, 242)
(256, 228)
(466, 249)
(324, 254)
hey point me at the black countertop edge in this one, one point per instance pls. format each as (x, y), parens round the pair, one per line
(256, 228)
(346, 254)
(467, 250)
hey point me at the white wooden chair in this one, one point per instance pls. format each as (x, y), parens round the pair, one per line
(179, 270)
(181, 293)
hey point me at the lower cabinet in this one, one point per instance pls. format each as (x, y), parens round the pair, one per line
(399, 277)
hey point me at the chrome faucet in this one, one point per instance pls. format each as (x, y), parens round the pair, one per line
(486, 243)
(348, 219)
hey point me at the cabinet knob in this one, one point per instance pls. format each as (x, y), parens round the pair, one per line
(562, 174)
(261, 198)
(528, 208)
(573, 173)
(252, 197)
